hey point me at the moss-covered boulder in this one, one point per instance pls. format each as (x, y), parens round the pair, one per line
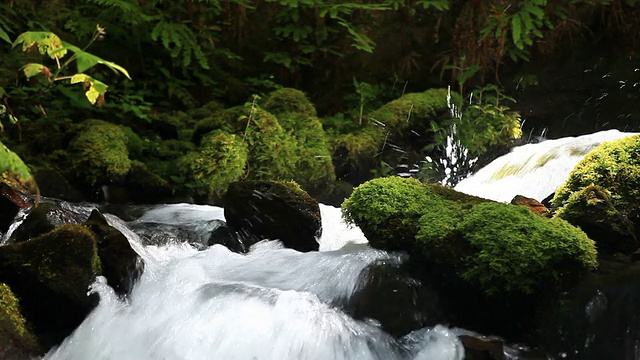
(99, 155)
(218, 119)
(16, 339)
(51, 275)
(273, 151)
(258, 210)
(356, 154)
(497, 247)
(496, 266)
(219, 161)
(592, 209)
(144, 186)
(614, 166)
(414, 111)
(287, 101)
(121, 265)
(296, 114)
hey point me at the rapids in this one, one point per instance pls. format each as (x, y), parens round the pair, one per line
(272, 303)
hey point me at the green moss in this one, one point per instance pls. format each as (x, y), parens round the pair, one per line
(614, 166)
(99, 154)
(273, 152)
(221, 119)
(220, 160)
(13, 327)
(412, 110)
(135, 145)
(65, 260)
(493, 246)
(359, 146)
(387, 209)
(592, 209)
(288, 100)
(517, 250)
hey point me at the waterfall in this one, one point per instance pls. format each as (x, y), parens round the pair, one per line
(272, 303)
(534, 170)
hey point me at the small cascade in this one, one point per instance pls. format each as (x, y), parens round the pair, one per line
(534, 170)
(271, 303)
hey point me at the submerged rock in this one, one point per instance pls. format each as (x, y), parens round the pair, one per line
(391, 297)
(16, 340)
(121, 265)
(258, 210)
(51, 275)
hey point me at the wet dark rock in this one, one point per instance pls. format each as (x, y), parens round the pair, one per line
(258, 210)
(477, 347)
(16, 340)
(399, 303)
(47, 216)
(532, 204)
(121, 265)
(53, 185)
(222, 235)
(140, 186)
(8, 211)
(51, 275)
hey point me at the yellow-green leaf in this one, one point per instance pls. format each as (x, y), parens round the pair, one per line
(15, 174)
(46, 42)
(79, 78)
(33, 69)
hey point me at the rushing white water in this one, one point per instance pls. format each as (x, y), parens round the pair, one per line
(534, 170)
(272, 303)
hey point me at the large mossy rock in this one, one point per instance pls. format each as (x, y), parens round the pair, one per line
(592, 209)
(415, 111)
(219, 161)
(98, 154)
(51, 275)
(496, 265)
(259, 210)
(615, 167)
(296, 114)
(273, 152)
(16, 339)
(498, 247)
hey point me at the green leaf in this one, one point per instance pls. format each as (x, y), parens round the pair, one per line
(85, 61)
(4, 36)
(516, 31)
